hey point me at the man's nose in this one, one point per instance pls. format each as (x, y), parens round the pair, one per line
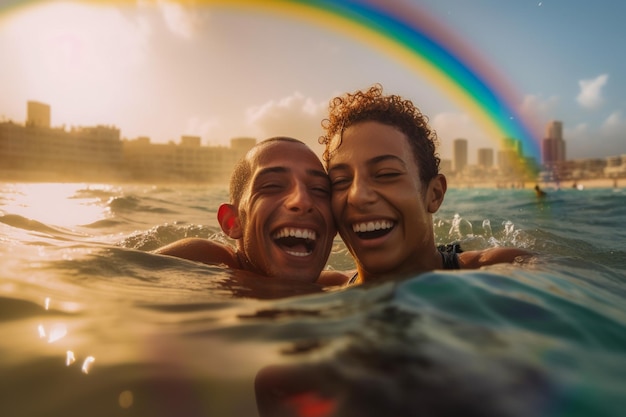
(300, 198)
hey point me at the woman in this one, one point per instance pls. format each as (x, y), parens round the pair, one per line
(384, 171)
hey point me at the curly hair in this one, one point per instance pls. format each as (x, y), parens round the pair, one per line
(391, 110)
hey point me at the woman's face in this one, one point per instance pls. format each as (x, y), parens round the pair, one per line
(381, 209)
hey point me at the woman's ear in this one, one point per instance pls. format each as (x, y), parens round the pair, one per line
(228, 218)
(436, 190)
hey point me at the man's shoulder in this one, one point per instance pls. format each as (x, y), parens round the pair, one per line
(201, 250)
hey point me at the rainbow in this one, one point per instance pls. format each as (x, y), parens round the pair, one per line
(417, 40)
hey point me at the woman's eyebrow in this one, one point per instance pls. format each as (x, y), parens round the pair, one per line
(386, 157)
(372, 161)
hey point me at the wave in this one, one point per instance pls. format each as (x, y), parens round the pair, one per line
(132, 204)
(21, 222)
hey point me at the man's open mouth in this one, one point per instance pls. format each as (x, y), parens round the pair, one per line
(373, 229)
(295, 241)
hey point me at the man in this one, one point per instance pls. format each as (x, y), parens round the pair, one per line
(386, 185)
(279, 214)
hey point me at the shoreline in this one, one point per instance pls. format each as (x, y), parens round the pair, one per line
(548, 185)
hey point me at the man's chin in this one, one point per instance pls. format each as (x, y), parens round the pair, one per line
(299, 267)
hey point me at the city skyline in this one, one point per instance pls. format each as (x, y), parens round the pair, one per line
(39, 114)
(35, 150)
(226, 72)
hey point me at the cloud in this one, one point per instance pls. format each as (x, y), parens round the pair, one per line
(534, 105)
(614, 123)
(181, 18)
(199, 127)
(295, 115)
(590, 95)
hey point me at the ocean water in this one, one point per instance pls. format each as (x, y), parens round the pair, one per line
(92, 324)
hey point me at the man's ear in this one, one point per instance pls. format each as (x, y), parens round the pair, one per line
(228, 218)
(436, 190)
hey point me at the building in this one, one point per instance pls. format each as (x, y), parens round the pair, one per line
(187, 161)
(553, 145)
(460, 155)
(37, 114)
(485, 158)
(508, 162)
(44, 153)
(35, 151)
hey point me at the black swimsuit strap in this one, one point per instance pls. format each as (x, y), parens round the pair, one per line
(450, 260)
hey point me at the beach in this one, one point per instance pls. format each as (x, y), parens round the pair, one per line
(547, 185)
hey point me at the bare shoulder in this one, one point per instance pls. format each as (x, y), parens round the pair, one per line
(492, 256)
(201, 250)
(332, 278)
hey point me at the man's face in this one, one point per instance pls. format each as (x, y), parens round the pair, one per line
(285, 215)
(378, 201)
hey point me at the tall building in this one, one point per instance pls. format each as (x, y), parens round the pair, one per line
(460, 155)
(37, 114)
(485, 158)
(553, 145)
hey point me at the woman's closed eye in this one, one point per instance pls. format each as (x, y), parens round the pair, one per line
(387, 174)
(339, 182)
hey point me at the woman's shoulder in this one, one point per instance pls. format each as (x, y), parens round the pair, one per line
(492, 256)
(330, 278)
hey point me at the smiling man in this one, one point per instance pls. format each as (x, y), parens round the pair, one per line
(279, 214)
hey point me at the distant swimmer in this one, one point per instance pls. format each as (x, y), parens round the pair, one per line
(539, 192)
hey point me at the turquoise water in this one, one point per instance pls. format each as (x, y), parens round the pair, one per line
(92, 324)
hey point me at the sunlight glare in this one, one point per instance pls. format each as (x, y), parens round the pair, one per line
(53, 204)
(57, 332)
(87, 364)
(71, 51)
(69, 358)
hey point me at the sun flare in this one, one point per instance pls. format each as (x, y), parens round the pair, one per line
(54, 204)
(71, 53)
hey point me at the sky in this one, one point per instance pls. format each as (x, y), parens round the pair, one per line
(164, 69)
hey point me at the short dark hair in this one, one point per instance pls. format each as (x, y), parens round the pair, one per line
(392, 110)
(243, 169)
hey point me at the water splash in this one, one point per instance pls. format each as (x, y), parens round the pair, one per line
(460, 228)
(487, 232)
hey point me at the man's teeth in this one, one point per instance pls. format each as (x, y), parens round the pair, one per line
(371, 226)
(290, 252)
(294, 232)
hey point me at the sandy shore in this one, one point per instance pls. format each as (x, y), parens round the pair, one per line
(580, 184)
